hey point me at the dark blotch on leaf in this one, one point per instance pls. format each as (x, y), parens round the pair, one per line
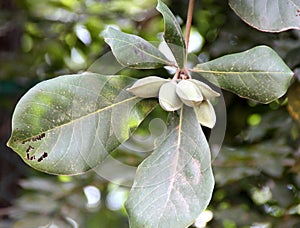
(34, 139)
(29, 148)
(25, 141)
(44, 155)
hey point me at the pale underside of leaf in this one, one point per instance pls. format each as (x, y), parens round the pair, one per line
(175, 183)
(269, 15)
(173, 34)
(65, 125)
(164, 48)
(133, 51)
(258, 74)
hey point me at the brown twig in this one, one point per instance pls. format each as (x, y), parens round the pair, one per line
(189, 24)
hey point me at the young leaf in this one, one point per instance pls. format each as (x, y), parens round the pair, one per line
(268, 15)
(258, 74)
(133, 51)
(175, 183)
(173, 34)
(69, 124)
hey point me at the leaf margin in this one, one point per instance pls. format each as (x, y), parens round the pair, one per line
(213, 76)
(19, 144)
(156, 59)
(207, 171)
(176, 43)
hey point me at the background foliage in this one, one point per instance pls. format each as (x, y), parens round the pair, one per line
(257, 170)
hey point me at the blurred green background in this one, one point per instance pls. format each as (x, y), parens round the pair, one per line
(258, 169)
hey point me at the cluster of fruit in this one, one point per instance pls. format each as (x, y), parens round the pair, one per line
(173, 94)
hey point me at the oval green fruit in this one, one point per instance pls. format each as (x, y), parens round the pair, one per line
(168, 98)
(147, 87)
(205, 114)
(207, 92)
(189, 93)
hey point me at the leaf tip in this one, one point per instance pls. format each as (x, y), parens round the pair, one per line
(108, 30)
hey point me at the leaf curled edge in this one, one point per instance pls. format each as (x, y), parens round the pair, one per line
(173, 34)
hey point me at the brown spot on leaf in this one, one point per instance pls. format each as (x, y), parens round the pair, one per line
(29, 148)
(41, 158)
(25, 141)
(35, 138)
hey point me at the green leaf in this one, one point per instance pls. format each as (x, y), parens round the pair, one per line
(175, 183)
(268, 15)
(70, 124)
(133, 51)
(258, 74)
(173, 34)
(234, 164)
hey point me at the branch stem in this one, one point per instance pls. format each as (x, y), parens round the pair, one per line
(189, 24)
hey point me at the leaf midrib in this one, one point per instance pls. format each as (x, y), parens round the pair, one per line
(170, 189)
(240, 72)
(82, 117)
